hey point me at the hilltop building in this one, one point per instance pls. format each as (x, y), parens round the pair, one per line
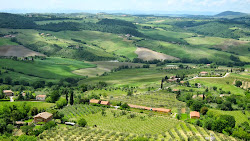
(43, 117)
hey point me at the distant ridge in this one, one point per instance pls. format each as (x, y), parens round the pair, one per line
(230, 13)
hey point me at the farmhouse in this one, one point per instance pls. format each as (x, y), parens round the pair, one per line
(41, 97)
(150, 109)
(201, 96)
(194, 115)
(94, 101)
(43, 117)
(203, 73)
(105, 103)
(162, 110)
(8, 92)
(173, 79)
(139, 107)
(175, 90)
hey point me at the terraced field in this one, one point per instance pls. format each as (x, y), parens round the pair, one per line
(155, 100)
(182, 131)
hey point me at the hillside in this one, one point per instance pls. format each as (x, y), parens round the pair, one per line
(230, 13)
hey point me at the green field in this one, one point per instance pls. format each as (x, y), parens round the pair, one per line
(153, 99)
(39, 105)
(103, 66)
(222, 83)
(131, 77)
(50, 68)
(6, 41)
(238, 115)
(111, 43)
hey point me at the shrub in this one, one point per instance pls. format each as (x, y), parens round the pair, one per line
(82, 122)
(204, 110)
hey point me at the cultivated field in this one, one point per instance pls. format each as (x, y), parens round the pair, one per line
(50, 68)
(147, 54)
(18, 51)
(103, 66)
(39, 105)
(153, 99)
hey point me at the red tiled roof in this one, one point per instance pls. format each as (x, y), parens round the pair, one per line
(105, 102)
(149, 108)
(175, 90)
(162, 110)
(41, 96)
(7, 91)
(94, 101)
(194, 114)
(203, 72)
(44, 115)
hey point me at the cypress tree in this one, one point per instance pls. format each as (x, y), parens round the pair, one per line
(71, 97)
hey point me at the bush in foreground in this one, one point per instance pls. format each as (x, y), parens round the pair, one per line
(82, 122)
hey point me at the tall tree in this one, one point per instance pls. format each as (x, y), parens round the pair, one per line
(67, 97)
(71, 97)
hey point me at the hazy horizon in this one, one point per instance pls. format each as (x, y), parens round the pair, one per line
(196, 7)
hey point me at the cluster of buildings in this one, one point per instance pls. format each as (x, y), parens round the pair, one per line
(173, 79)
(96, 101)
(11, 93)
(9, 36)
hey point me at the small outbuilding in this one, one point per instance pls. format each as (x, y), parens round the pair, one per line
(43, 117)
(94, 101)
(70, 123)
(194, 115)
(41, 97)
(105, 103)
(8, 92)
(200, 96)
(203, 73)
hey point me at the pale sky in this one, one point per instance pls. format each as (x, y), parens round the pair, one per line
(133, 5)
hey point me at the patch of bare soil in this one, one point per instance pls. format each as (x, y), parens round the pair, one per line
(231, 42)
(18, 51)
(147, 55)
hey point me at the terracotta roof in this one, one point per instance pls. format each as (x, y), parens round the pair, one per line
(182, 82)
(203, 72)
(162, 110)
(194, 114)
(175, 90)
(7, 91)
(201, 95)
(94, 101)
(105, 102)
(149, 108)
(44, 115)
(20, 122)
(41, 96)
(137, 106)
